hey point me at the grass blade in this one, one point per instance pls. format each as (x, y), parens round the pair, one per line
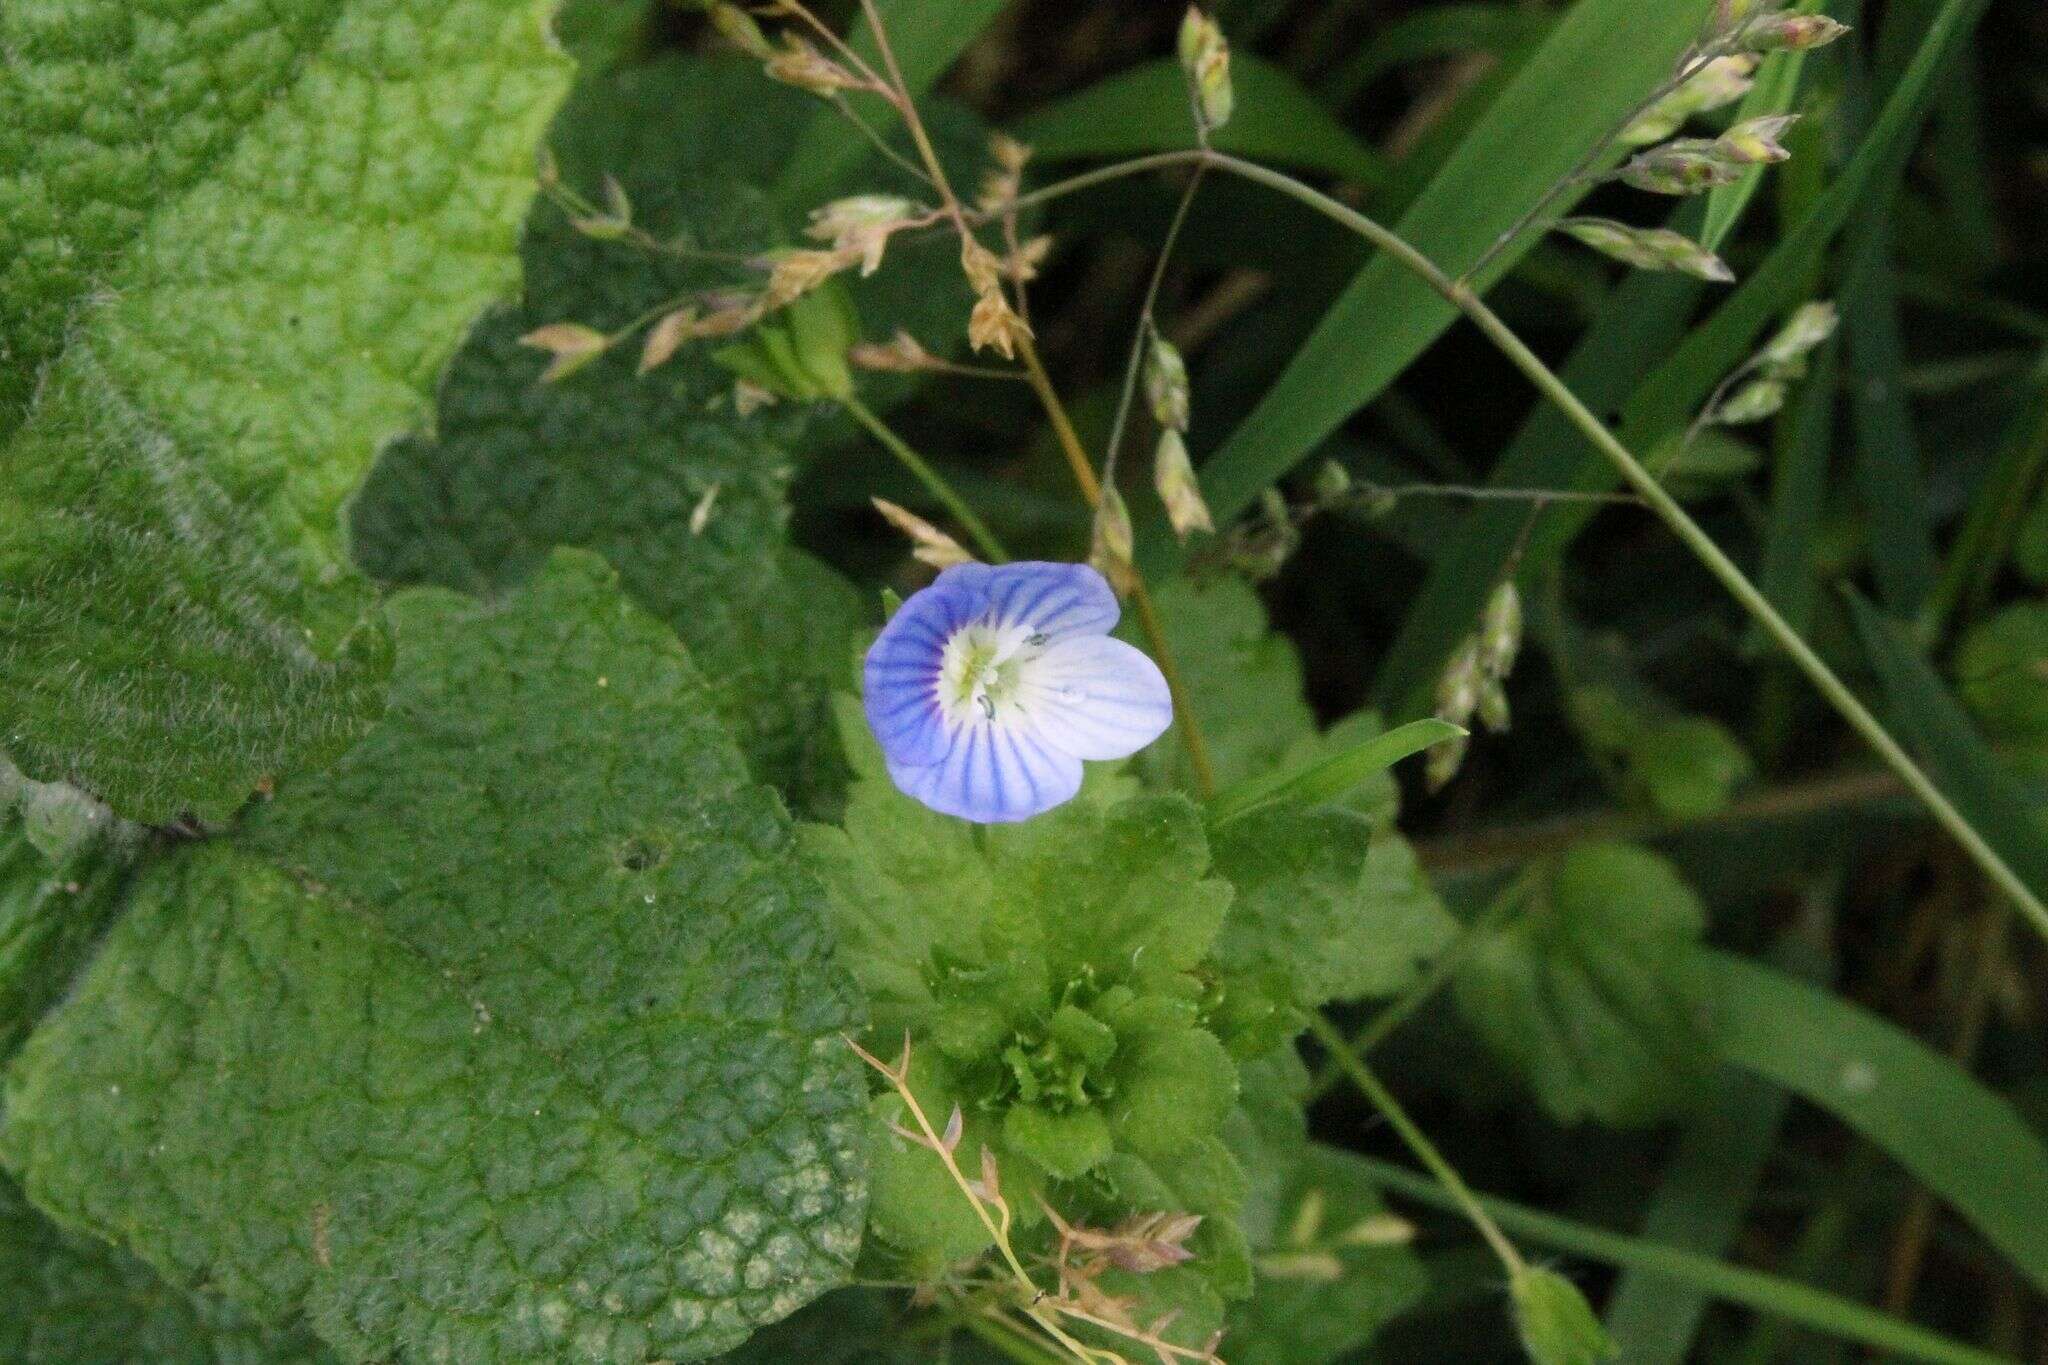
(1700, 1205)
(1329, 778)
(1963, 1142)
(1625, 340)
(1887, 463)
(1603, 57)
(1668, 399)
(1145, 109)
(1932, 721)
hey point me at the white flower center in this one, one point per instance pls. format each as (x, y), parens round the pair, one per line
(982, 669)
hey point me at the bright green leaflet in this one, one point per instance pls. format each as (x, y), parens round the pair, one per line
(1998, 673)
(74, 1300)
(1962, 1141)
(1580, 993)
(1052, 979)
(1346, 767)
(576, 1088)
(240, 242)
(1145, 109)
(1243, 682)
(1576, 88)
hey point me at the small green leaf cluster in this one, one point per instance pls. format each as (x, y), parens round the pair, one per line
(1054, 982)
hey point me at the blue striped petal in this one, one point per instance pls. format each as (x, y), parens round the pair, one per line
(992, 774)
(900, 679)
(1094, 697)
(1056, 600)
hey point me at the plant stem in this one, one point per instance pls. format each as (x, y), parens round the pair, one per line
(1737, 583)
(934, 482)
(1485, 850)
(1767, 1294)
(1416, 996)
(1425, 1151)
(1146, 325)
(1148, 616)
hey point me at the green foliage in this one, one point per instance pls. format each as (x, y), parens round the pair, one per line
(1047, 977)
(52, 911)
(74, 1300)
(618, 462)
(1579, 992)
(2001, 670)
(1243, 683)
(1145, 109)
(241, 240)
(579, 1092)
(1557, 1326)
(1332, 1274)
(1327, 907)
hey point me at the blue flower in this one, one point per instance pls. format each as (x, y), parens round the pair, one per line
(987, 689)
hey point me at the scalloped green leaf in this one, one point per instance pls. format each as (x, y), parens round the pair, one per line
(1243, 683)
(515, 1035)
(240, 239)
(1582, 993)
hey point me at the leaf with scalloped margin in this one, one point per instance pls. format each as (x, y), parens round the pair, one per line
(1581, 993)
(513, 1036)
(238, 241)
(74, 1300)
(617, 461)
(1326, 905)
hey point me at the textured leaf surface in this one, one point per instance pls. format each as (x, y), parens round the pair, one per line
(617, 462)
(74, 1300)
(514, 1036)
(1326, 904)
(51, 914)
(1581, 992)
(240, 239)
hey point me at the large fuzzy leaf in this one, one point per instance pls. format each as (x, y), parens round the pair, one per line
(239, 240)
(514, 1036)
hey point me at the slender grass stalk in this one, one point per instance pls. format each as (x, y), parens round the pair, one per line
(934, 482)
(1737, 583)
(1456, 1191)
(1141, 597)
(1767, 1294)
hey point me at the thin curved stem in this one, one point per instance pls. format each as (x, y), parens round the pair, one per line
(1737, 583)
(1146, 325)
(1454, 1185)
(934, 482)
(1141, 597)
